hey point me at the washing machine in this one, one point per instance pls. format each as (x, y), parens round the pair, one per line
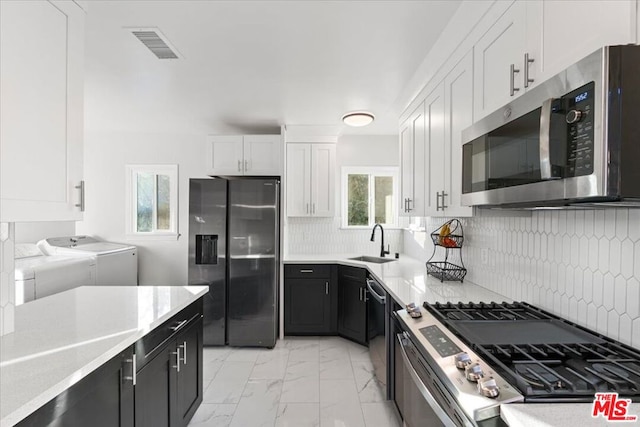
(38, 275)
(116, 263)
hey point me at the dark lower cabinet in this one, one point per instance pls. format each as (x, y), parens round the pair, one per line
(104, 398)
(310, 300)
(352, 303)
(164, 391)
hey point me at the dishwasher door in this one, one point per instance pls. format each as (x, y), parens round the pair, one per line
(376, 332)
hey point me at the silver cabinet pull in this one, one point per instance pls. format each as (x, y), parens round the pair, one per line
(409, 201)
(183, 346)
(131, 377)
(512, 88)
(81, 188)
(306, 271)
(177, 353)
(246, 165)
(437, 201)
(439, 206)
(527, 61)
(239, 166)
(178, 326)
(307, 208)
(326, 288)
(313, 208)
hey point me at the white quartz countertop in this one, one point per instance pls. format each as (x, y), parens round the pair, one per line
(406, 280)
(60, 339)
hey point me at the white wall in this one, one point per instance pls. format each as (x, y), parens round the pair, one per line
(323, 235)
(106, 154)
(581, 265)
(32, 232)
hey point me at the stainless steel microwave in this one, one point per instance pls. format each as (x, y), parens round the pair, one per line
(573, 140)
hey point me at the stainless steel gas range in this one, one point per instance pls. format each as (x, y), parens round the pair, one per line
(459, 362)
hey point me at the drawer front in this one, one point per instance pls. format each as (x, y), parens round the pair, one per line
(307, 271)
(353, 273)
(150, 344)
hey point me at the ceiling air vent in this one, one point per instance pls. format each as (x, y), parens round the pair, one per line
(157, 43)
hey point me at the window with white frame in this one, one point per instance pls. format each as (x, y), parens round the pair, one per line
(152, 200)
(369, 196)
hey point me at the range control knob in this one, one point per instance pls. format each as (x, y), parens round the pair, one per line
(473, 372)
(573, 116)
(462, 360)
(488, 387)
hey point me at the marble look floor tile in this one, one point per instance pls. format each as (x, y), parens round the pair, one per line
(213, 415)
(259, 404)
(368, 386)
(222, 390)
(244, 354)
(334, 352)
(341, 414)
(343, 391)
(298, 415)
(272, 367)
(235, 370)
(215, 353)
(210, 369)
(307, 353)
(336, 369)
(300, 369)
(301, 390)
(382, 414)
(298, 342)
(358, 352)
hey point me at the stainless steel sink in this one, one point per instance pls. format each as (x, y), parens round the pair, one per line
(373, 259)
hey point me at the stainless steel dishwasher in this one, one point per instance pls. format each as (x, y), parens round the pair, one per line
(376, 329)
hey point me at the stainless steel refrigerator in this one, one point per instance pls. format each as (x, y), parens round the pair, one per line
(234, 230)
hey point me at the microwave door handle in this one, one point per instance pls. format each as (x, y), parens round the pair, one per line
(545, 130)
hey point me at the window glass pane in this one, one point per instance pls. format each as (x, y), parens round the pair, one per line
(358, 196)
(163, 203)
(384, 199)
(144, 207)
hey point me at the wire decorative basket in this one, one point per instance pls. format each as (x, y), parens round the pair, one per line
(449, 266)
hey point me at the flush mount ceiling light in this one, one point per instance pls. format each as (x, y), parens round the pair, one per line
(358, 118)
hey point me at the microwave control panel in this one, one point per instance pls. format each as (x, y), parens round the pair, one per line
(577, 107)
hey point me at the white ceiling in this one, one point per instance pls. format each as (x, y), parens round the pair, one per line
(251, 66)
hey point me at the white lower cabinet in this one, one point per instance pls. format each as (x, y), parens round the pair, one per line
(244, 154)
(310, 177)
(41, 110)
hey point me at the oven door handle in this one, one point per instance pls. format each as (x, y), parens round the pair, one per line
(545, 139)
(380, 298)
(424, 391)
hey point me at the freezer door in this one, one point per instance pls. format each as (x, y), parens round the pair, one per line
(207, 246)
(253, 262)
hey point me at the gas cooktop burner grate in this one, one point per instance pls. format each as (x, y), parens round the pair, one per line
(545, 357)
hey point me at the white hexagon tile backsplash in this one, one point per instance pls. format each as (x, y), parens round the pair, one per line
(583, 265)
(7, 298)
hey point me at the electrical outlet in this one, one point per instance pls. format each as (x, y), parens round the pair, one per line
(484, 256)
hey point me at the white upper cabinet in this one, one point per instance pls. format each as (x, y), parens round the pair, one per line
(245, 155)
(412, 164)
(435, 161)
(534, 40)
(458, 105)
(498, 61)
(310, 180)
(561, 32)
(41, 111)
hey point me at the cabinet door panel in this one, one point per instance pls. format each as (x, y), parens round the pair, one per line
(262, 154)
(307, 306)
(154, 398)
(557, 43)
(41, 108)
(352, 311)
(458, 116)
(298, 179)
(435, 150)
(322, 179)
(406, 166)
(504, 44)
(189, 379)
(225, 155)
